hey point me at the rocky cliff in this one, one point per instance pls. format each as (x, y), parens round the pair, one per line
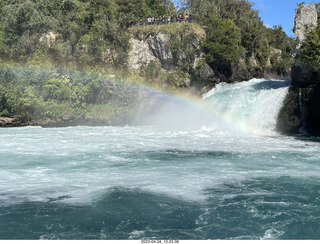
(160, 47)
(176, 49)
(300, 112)
(173, 49)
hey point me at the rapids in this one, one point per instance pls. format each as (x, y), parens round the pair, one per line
(215, 170)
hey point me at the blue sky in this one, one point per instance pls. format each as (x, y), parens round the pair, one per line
(278, 12)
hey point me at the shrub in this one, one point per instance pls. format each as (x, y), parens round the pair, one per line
(310, 49)
(222, 46)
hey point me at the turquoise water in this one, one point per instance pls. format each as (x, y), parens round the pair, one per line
(219, 180)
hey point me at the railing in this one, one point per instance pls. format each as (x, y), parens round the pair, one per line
(164, 21)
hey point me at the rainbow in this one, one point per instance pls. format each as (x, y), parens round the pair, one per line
(185, 108)
(197, 106)
(226, 119)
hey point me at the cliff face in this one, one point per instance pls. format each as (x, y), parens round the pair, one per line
(300, 112)
(306, 20)
(171, 49)
(177, 48)
(160, 47)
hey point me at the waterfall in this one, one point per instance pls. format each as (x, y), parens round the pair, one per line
(302, 111)
(252, 106)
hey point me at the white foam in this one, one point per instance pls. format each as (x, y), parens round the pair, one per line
(252, 106)
(272, 234)
(78, 164)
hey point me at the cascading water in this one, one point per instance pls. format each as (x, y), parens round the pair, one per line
(210, 176)
(247, 107)
(302, 110)
(252, 106)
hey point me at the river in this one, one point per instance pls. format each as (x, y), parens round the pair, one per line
(222, 172)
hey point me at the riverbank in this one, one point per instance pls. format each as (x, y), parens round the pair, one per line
(6, 121)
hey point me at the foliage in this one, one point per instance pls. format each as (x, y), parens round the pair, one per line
(37, 94)
(172, 29)
(45, 38)
(222, 45)
(86, 28)
(279, 40)
(95, 33)
(178, 79)
(299, 6)
(310, 49)
(256, 39)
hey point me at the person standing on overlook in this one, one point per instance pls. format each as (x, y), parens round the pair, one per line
(186, 18)
(181, 18)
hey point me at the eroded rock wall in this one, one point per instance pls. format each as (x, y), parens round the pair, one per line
(301, 109)
(165, 49)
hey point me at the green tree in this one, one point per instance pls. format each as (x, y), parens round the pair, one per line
(23, 22)
(310, 49)
(222, 44)
(256, 38)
